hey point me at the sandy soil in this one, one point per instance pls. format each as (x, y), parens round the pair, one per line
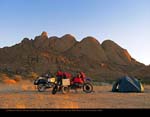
(24, 95)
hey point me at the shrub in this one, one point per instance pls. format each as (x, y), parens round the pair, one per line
(33, 75)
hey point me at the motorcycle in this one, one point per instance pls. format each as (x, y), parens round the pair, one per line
(66, 86)
(44, 83)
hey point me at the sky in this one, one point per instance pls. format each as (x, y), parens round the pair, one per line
(126, 22)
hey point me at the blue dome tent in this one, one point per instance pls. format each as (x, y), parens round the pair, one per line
(127, 84)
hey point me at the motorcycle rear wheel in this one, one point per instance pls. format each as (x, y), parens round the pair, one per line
(65, 90)
(41, 87)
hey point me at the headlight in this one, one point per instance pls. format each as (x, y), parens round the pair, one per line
(52, 79)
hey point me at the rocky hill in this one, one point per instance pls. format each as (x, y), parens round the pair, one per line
(102, 62)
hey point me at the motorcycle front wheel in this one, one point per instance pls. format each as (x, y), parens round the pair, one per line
(87, 87)
(54, 90)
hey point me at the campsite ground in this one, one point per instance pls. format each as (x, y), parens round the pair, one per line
(24, 95)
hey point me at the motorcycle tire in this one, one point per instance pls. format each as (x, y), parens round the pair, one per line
(65, 90)
(54, 90)
(87, 87)
(41, 87)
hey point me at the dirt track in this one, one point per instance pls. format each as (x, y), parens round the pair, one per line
(24, 95)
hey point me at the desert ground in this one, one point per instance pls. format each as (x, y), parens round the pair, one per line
(24, 95)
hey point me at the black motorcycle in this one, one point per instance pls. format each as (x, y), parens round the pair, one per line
(66, 86)
(44, 82)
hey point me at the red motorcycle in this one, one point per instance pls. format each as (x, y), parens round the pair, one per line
(66, 85)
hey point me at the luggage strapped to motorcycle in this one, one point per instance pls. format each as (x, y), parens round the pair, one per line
(65, 82)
